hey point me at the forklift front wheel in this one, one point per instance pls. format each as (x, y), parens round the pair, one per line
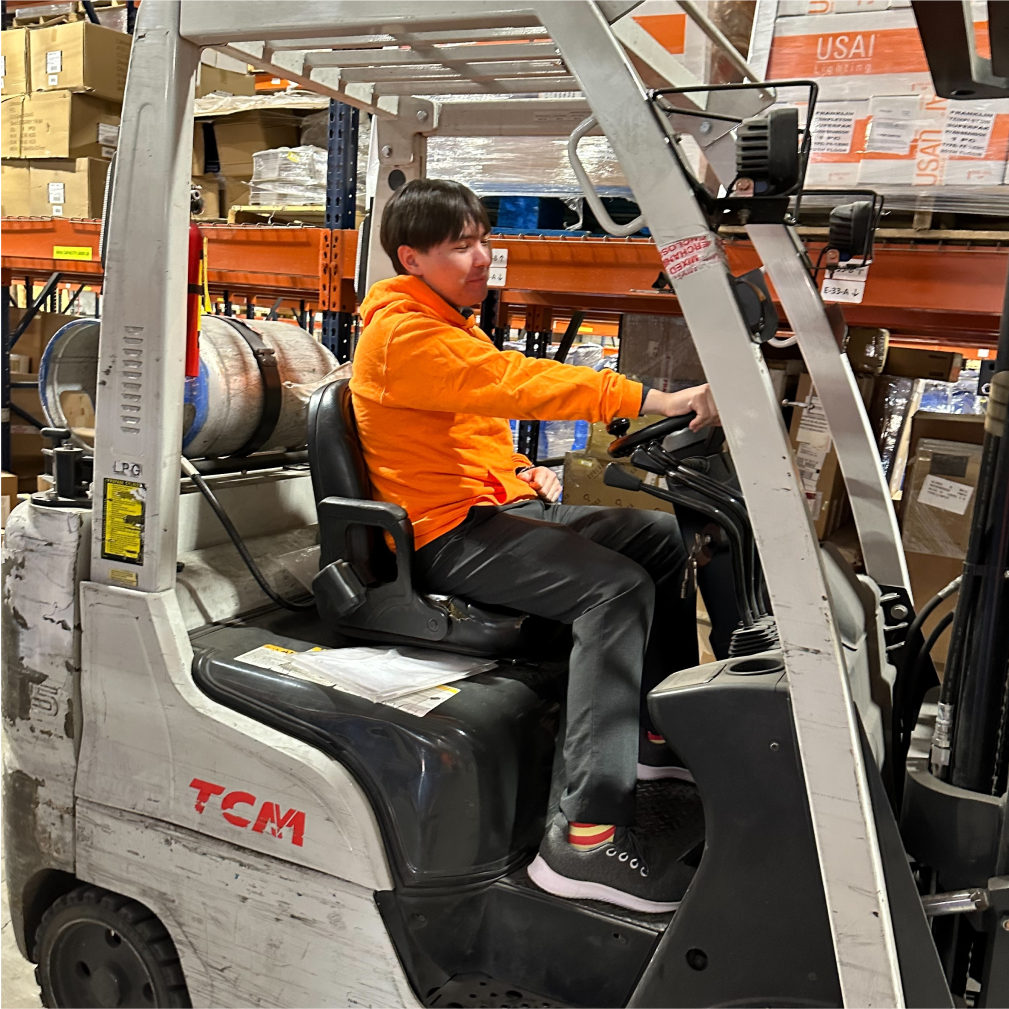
(97, 948)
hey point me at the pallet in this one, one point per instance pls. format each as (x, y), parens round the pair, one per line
(314, 215)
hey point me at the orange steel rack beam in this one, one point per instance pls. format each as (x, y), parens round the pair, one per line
(936, 291)
(246, 260)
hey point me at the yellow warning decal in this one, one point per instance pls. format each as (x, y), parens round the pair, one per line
(120, 577)
(277, 648)
(123, 521)
(82, 252)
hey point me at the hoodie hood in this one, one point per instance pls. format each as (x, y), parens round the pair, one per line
(406, 293)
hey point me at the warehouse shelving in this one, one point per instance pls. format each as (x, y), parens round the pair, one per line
(916, 285)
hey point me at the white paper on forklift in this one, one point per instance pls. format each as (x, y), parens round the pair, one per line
(384, 674)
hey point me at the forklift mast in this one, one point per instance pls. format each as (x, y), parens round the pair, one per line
(140, 396)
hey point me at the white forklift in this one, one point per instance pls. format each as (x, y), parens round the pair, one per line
(187, 823)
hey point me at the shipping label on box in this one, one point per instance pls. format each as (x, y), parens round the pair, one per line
(838, 130)
(923, 140)
(939, 490)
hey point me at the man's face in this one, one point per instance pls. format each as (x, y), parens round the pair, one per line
(457, 270)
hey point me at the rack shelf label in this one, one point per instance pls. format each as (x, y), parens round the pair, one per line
(81, 252)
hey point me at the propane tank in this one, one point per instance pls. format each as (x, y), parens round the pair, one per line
(226, 401)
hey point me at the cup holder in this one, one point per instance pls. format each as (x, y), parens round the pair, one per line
(755, 664)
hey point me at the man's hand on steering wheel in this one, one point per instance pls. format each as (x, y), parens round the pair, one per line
(542, 480)
(675, 404)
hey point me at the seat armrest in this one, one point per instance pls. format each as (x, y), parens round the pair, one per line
(338, 514)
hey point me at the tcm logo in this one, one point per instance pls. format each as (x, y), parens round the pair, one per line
(269, 812)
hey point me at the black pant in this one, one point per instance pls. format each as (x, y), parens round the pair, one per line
(604, 571)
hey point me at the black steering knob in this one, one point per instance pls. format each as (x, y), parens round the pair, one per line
(57, 435)
(619, 426)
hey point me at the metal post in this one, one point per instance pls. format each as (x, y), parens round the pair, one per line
(5, 391)
(826, 728)
(341, 198)
(141, 352)
(538, 333)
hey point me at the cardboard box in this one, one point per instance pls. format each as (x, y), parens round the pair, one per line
(8, 496)
(80, 57)
(14, 75)
(929, 575)
(909, 362)
(659, 350)
(962, 427)
(68, 188)
(214, 80)
(600, 439)
(866, 349)
(14, 189)
(817, 463)
(60, 124)
(11, 116)
(241, 135)
(583, 485)
(924, 140)
(939, 491)
(852, 56)
(34, 340)
(27, 460)
(838, 141)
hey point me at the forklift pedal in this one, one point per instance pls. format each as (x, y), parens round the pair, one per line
(481, 990)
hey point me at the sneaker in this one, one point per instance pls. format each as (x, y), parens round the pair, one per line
(625, 871)
(657, 760)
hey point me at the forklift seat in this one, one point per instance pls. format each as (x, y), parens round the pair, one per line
(363, 587)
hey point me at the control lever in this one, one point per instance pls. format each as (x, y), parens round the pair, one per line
(620, 476)
(725, 497)
(617, 476)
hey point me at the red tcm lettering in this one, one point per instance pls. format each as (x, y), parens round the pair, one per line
(269, 813)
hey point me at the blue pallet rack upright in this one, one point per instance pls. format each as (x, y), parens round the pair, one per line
(341, 199)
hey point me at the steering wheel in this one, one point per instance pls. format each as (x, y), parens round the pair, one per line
(653, 432)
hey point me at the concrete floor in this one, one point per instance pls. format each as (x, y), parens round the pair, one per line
(18, 989)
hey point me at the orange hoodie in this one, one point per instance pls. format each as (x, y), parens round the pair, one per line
(432, 394)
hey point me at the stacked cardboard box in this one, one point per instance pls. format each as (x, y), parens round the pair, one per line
(223, 149)
(816, 461)
(583, 474)
(878, 121)
(62, 95)
(938, 507)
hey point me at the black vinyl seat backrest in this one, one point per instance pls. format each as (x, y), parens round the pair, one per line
(362, 586)
(339, 470)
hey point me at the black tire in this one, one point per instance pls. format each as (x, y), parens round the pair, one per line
(97, 948)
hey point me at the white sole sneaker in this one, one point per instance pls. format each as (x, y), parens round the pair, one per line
(648, 773)
(561, 886)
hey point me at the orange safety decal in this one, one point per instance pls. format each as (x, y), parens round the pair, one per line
(669, 30)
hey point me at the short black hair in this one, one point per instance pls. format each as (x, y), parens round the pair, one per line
(427, 212)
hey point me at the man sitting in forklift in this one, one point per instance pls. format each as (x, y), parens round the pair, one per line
(432, 395)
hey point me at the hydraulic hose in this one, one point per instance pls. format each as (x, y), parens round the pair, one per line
(906, 685)
(289, 604)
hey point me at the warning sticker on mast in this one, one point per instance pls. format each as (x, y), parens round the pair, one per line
(688, 255)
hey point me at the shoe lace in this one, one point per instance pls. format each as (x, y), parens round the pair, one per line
(629, 852)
